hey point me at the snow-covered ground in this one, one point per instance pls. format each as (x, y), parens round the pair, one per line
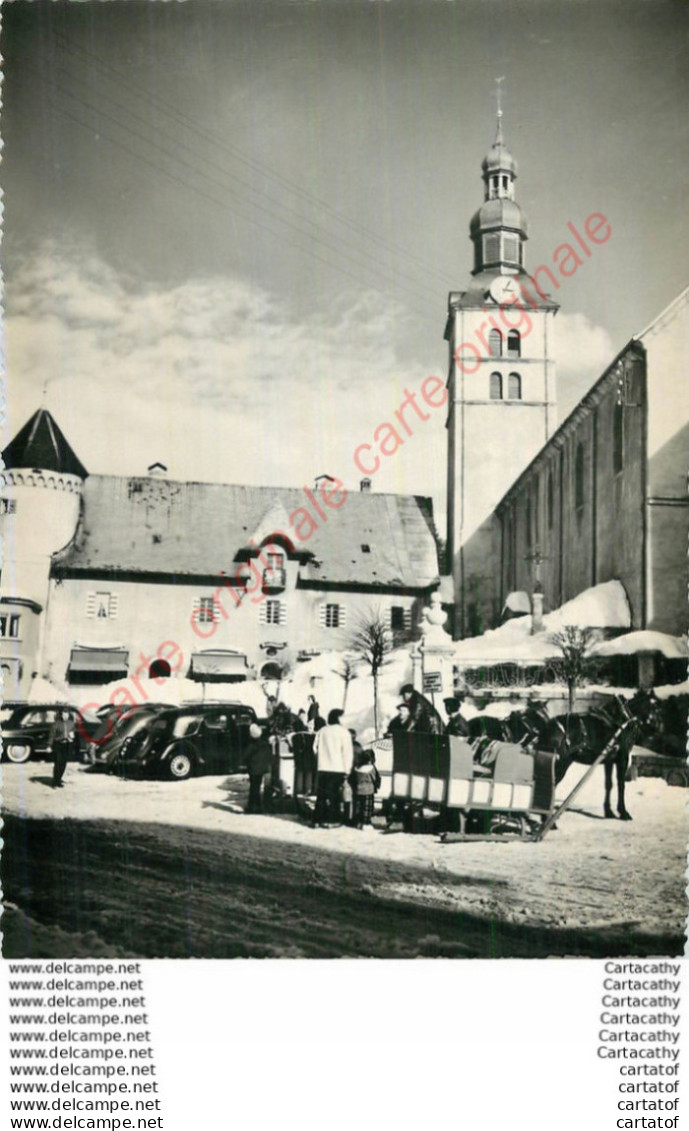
(588, 874)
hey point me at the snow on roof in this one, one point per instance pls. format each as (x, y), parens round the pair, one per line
(634, 643)
(603, 606)
(144, 525)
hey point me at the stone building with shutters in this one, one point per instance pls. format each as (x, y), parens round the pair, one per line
(128, 577)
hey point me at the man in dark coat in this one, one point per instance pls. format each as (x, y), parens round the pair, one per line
(63, 739)
(423, 715)
(456, 723)
(259, 761)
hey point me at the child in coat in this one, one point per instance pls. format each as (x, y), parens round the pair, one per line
(365, 780)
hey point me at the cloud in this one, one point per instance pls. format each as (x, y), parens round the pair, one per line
(582, 351)
(213, 377)
(218, 380)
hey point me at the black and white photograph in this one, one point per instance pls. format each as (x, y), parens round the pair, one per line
(344, 493)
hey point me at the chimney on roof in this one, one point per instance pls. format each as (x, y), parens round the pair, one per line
(322, 479)
(157, 471)
(365, 485)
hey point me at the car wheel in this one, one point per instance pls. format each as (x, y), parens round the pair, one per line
(18, 752)
(180, 766)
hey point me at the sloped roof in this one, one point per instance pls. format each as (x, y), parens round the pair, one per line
(148, 525)
(40, 443)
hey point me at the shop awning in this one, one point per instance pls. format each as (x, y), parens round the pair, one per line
(89, 663)
(218, 665)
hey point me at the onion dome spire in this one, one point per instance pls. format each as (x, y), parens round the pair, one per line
(499, 230)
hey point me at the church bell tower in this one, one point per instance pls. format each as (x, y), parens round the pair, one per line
(501, 406)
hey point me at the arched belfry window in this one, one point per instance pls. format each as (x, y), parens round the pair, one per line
(514, 344)
(618, 439)
(495, 343)
(579, 492)
(514, 385)
(496, 386)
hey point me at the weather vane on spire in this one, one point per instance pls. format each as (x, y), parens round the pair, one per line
(498, 98)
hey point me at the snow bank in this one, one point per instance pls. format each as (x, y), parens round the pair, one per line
(603, 606)
(320, 677)
(634, 643)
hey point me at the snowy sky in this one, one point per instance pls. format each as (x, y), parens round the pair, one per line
(230, 228)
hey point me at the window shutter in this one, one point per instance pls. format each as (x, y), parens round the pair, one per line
(407, 618)
(283, 613)
(91, 605)
(343, 616)
(113, 604)
(322, 613)
(263, 612)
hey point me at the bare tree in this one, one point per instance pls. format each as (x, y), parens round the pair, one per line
(371, 643)
(576, 663)
(346, 672)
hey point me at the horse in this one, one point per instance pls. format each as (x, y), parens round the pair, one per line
(581, 738)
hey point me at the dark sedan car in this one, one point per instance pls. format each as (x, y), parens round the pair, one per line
(180, 741)
(115, 725)
(27, 730)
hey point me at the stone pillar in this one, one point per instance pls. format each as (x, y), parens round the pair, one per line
(436, 651)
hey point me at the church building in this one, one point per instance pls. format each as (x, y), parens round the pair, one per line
(533, 507)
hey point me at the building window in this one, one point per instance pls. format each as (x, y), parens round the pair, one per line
(579, 478)
(207, 612)
(511, 249)
(9, 626)
(536, 516)
(400, 623)
(514, 344)
(495, 343)
(496, 386)
(551, 500)
(514, 387)
(8, 506)
(275, 561)
(618, 439)
(275, 612)
(333, 616)
(491, 249)
(102, 606)
(397, 618)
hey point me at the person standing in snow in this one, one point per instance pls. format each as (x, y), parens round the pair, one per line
(365, 780)
(334, 758)
(313, 712)
(259, 762)
(63, 740)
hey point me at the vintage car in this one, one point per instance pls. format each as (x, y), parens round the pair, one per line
(27, 730)
(177, 742)
(115, 724)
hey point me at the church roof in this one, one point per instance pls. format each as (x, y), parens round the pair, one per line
(40, 443)
(152, 526)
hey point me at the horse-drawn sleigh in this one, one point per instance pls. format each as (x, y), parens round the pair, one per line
(501, 780)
